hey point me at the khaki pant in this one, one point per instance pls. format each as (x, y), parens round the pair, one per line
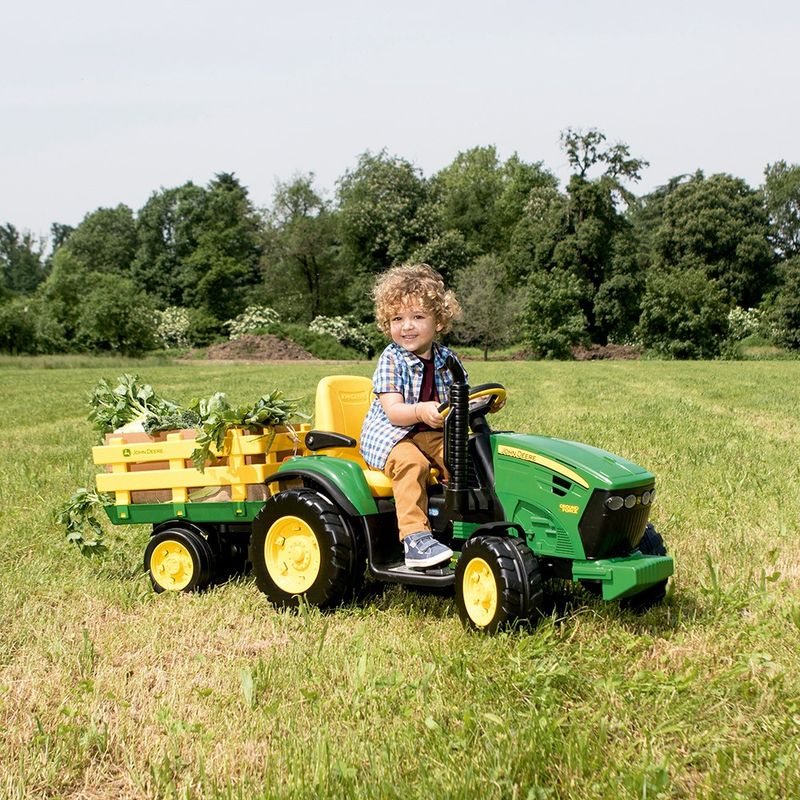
(409, 465)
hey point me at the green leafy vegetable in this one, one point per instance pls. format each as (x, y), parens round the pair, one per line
(79, 517)
(131, 400)
(218, 416)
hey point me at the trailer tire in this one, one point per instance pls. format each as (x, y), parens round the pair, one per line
(652, 544)
(498, 583)
(302, 546)
(178, 560)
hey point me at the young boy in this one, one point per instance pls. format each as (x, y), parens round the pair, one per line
(402, 433)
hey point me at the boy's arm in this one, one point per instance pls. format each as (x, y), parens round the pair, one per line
(405, 414)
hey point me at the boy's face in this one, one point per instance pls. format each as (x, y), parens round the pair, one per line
(414, 328)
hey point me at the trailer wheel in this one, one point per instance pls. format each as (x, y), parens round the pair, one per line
(301, 545)
(652, 544)
(497, 583)
(178, 560)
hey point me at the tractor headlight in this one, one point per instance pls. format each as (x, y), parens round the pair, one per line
(630, 501)
(615, 503)
(646, 498)
(652, 496)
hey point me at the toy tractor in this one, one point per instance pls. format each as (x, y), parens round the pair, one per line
(517, 509)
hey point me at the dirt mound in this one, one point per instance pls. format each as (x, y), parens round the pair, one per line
(250, 347)
(596, 352)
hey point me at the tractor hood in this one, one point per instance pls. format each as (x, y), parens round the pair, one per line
(580, 463)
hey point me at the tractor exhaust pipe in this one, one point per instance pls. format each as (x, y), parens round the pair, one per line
(456, 453)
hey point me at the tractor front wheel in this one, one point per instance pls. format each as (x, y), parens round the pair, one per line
(497, 583)
(178, 560)
(301, 546)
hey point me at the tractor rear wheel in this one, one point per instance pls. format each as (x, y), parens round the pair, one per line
(178, 560)
(497, 583)
(301, 546)
(652, 544)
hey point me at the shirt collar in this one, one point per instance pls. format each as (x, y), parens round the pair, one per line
(439, 356)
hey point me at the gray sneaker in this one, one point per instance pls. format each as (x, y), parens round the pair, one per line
(422, 550)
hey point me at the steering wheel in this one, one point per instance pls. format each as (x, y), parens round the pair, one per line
(482, 398)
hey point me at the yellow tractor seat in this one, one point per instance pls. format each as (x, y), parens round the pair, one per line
(341, 404)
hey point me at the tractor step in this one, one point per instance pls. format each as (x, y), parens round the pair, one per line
(398, 572)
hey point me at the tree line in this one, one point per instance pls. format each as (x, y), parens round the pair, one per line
(685, 271)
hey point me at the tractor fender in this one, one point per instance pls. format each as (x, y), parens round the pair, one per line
(521, 553)
(500, 528)
(341, 480)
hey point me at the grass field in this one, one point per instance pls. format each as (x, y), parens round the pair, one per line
(110, 691)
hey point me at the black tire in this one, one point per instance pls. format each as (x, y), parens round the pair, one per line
(510, 584)
(178, 560)
(301, 545)
(652, 544)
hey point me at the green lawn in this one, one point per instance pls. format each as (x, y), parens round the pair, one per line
(108, 690)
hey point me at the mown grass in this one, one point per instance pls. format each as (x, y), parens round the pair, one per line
(108, 690)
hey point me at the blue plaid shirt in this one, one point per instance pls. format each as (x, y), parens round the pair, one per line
(398, 371)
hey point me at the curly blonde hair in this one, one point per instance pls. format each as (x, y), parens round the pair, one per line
(398, 285)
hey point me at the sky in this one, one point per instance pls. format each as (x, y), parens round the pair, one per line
(104, 103)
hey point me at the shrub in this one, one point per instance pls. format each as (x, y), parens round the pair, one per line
(17, 327)
(684, 314)
(783, 315)
(204, 328)
(28, 326)
(743, 323)
(251, 320)
(554, 321)
(115, 316)
(320, 345)
(346, 331)
(172, 327)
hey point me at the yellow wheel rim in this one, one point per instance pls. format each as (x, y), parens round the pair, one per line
(479, 589)
(171, 565)
(291, 553)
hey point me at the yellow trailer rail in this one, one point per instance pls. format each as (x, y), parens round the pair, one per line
(153, 480)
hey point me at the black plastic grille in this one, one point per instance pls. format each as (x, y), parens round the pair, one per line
(606, 533)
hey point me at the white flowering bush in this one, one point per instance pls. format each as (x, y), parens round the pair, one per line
(345, 330)
(253, 318)
(743, 322)
(172, 327)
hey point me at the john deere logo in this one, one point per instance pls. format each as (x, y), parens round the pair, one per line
(126, 452)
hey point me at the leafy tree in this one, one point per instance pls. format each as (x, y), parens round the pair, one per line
(782, 197)
(483, 199)
(447, 252)
(115, 316)
(224, 263)
(584, 235)
(491, 312)
(554, 320)
(783, 307)
(21, 264)
(684, 314)
(28, 326)
(718, 224)
(385, 212)
(168, 228)
(64, 291)
(105, 241)
(586, 149)
(301, 243)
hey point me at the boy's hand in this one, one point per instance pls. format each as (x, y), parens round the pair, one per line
(429, 414)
